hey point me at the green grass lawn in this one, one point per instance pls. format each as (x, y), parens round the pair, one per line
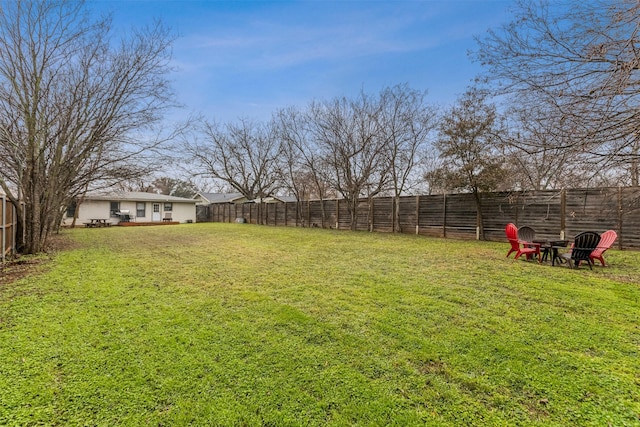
(242, 325)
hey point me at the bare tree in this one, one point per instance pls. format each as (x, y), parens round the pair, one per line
(584, 57)
(467, 141)
(306, 170)
(352, 143)
(69, 103)
(246, 155)
(162, 185)
(406, 122)
(541, 153)
(174, 187)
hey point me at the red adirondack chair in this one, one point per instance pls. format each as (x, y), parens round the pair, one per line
(519, 247)
(606, 241)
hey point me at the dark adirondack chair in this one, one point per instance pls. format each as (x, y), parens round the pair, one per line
(606, 241)
(527, 235)
(584, 244)
(517, 246)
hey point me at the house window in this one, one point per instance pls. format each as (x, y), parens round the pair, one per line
(71, 209)
(168, 207)
(114, 207)
(140, 210)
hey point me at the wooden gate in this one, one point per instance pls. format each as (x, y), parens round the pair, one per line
(8, 227)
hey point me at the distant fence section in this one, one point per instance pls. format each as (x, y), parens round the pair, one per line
(552, 213)
(8, 227)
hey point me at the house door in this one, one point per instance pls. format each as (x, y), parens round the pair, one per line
(156, 212)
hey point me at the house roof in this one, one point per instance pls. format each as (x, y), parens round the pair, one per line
(138, 196)
(221, 197)
(272, 199)
(238, 197)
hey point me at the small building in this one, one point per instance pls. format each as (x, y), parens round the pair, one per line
(215, 198)
(276, 199)
(115, 207)
(238, 198)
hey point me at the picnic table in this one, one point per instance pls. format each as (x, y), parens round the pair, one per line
(97, 222)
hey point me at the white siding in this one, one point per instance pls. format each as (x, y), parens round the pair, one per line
(183, 212)
(100, 209)
(91, 209)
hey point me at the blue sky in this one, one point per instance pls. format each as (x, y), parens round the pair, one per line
(250, 58)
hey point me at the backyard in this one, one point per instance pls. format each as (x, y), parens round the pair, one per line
(241, 325)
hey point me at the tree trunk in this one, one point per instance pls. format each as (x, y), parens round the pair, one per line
(353, 212)
(479, 218)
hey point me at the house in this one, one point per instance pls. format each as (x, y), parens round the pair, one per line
(207, 203)
(214, 198)
(139, 207)
(238, 198)
(277, 199)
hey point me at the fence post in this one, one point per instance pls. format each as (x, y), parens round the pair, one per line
(563, 211)
(372, 212)
(620, 217)
(2, 227)
(417, 214)
(337, 214)
(444, 215)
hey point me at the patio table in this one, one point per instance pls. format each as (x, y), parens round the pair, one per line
(551, 247)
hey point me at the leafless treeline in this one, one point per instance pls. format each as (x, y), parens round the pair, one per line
(558, 108)
(350, 148)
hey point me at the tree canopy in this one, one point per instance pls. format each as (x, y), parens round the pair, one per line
(581, 59)
(70, 102)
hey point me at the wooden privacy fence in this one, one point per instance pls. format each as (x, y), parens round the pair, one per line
(8, 227)
(552, 213)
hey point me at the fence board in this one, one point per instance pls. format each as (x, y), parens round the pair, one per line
(382, 213)
(408, 209)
